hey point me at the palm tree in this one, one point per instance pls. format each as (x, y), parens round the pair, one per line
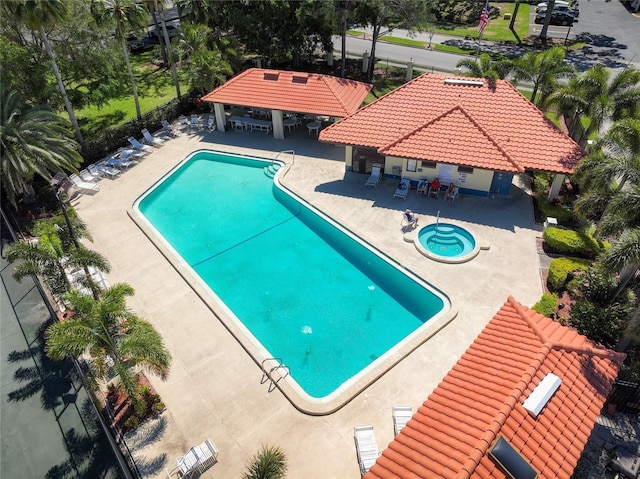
(599, 97)
(126, 15)
(33, 141)
(107, 329)
(52, 254)
(485, 68)
(269, 463)
(38, 15)
(206, 65)
(543, 70)
(156, 7)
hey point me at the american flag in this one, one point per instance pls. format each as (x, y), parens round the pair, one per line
(484, 18)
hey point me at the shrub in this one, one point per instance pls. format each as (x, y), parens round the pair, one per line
(546, 305)
(560, 271)
(602, 325)
(158, 406)
(132, 422)
(571, 242)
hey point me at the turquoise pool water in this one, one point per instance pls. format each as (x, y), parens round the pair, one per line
(309, 292)
(444, 239)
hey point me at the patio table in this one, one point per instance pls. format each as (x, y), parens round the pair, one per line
(314, 126)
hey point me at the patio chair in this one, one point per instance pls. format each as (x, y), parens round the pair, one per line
(374, 177)
(139, 146)
(183, 122)
(211, 123)
(150, 139)
(84, 186)
(403, 189)
(366, 447)
(169, 129)
(453, 195)
(195, 121)
(401, 415)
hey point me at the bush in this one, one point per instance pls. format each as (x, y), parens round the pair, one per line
(546, 305)
(572, 242)
(131, 422)
(560, 271)
(602, 325)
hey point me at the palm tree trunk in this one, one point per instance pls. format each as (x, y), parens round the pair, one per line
(343, 63)
(63, 90)
(169, 55)
(132, 78)
(372, 58)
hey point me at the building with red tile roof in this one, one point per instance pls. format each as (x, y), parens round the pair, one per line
(473, 132)
(481, 400)
(278, 91)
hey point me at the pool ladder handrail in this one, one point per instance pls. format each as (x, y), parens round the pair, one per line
(267, 375)
(288, 165)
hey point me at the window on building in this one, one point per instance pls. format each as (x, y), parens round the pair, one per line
(429, 164)
(412, 165)
(465, 169)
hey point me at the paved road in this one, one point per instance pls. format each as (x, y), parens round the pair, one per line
(612, 35)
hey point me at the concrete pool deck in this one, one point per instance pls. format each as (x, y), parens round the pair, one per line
(214, 389)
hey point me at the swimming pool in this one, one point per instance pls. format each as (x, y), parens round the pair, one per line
(304, 289)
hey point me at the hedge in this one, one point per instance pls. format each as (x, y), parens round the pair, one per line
(560, 270)
(546, 305)
(571, 242)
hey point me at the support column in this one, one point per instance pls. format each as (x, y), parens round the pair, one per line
(278, 125)
(348, 158)
(365, 62)
(410, 70)
(221, 119)
(555, 186)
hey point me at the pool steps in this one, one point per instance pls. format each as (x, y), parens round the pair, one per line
(271, 170)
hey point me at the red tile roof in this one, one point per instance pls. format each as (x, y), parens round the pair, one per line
(459, 120)
(481, 398)
(292, 91)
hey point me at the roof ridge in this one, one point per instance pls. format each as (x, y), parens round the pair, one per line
(591, 351)
(330, 87)
(495, 426)
(492, 139)
(423, 125)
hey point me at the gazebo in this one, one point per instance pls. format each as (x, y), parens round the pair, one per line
(278, 91)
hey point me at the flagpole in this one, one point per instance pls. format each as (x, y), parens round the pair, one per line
(484, 20)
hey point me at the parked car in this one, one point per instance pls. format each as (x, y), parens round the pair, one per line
(172, 30)
(135, 43)
(542, 7)
(558, 17)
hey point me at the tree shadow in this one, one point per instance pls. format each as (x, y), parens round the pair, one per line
(53, 380)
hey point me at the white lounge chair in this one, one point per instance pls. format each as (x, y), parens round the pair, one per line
(86, 175)
(195, 121)
(198, 458)
(169, 129)
(131, 154)
(84, 186)
(183, 122)
(374, 177)
(139, 146)
(211, 123)
(403, 189)
(453, 195)
(401, 416)
(366, 447)
(104, 170)
(116, 163)
(150, 139)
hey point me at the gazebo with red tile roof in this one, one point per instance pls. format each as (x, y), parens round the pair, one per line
(473, 132)
(279, 91)
(481, 399)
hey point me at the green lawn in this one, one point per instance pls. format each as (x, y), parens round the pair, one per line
(155, 88)
(498, 28)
